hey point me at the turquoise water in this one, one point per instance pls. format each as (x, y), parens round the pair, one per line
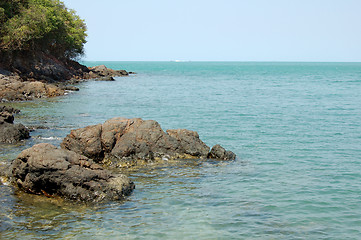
(295, 127)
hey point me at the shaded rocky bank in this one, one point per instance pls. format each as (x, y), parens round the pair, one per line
(42, 76)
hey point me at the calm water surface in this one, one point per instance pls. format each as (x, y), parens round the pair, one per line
(295, 127)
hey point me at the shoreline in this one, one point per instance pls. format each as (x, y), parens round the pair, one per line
(49, 80)
(13, 88)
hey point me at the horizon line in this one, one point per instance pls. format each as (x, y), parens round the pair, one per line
(245, 61)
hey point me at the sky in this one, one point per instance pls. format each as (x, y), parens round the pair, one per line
(222, 30)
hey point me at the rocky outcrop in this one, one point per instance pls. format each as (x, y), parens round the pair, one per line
(25, 76)
(10, 132)
(73, 172)
(128, 142)
(102, 72)
(50, 171)
(13, 88)
(40, 66)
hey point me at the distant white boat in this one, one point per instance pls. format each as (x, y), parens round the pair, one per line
(180, 61)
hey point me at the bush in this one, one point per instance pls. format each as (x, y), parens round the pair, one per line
(41, 25)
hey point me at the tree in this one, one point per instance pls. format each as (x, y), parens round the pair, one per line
(41, 25)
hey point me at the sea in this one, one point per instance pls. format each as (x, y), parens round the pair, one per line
(295, 127)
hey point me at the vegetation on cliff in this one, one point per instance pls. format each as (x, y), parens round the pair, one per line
(39, 43)
(28, 26)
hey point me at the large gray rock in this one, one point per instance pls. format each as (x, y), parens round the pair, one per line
(128, 142)
(45, 169)
(10, 132)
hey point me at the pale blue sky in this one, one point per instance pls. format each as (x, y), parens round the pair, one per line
(227, 30)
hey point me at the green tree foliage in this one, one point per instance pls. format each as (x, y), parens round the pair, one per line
(41, 25)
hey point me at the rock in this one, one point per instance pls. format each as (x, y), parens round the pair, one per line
(70, 88)
(102, 71)
(40, 90)
(12, 88)
(189, 142)
(9, 109)
(75, 81)
(122, 72)
(218, 152)
(85, 141)
(9, 132)
(38, 76)
(45, 169)
(128, 142)
(107, 78)
(41, 66)
(93, 75)
(6, 117)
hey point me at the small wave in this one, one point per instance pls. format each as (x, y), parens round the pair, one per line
(83, 115)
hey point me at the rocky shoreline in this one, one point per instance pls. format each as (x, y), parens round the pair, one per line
(14, 87)
(76, 171)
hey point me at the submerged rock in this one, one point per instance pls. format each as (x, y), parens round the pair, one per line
(128, 142)
(10, 132)
(47, 170)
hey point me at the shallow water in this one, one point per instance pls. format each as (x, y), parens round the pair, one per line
(294, 126)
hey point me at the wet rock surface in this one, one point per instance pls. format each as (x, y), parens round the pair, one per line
(128, 142)
(46, 170)
(218, 152)
(10, 132)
